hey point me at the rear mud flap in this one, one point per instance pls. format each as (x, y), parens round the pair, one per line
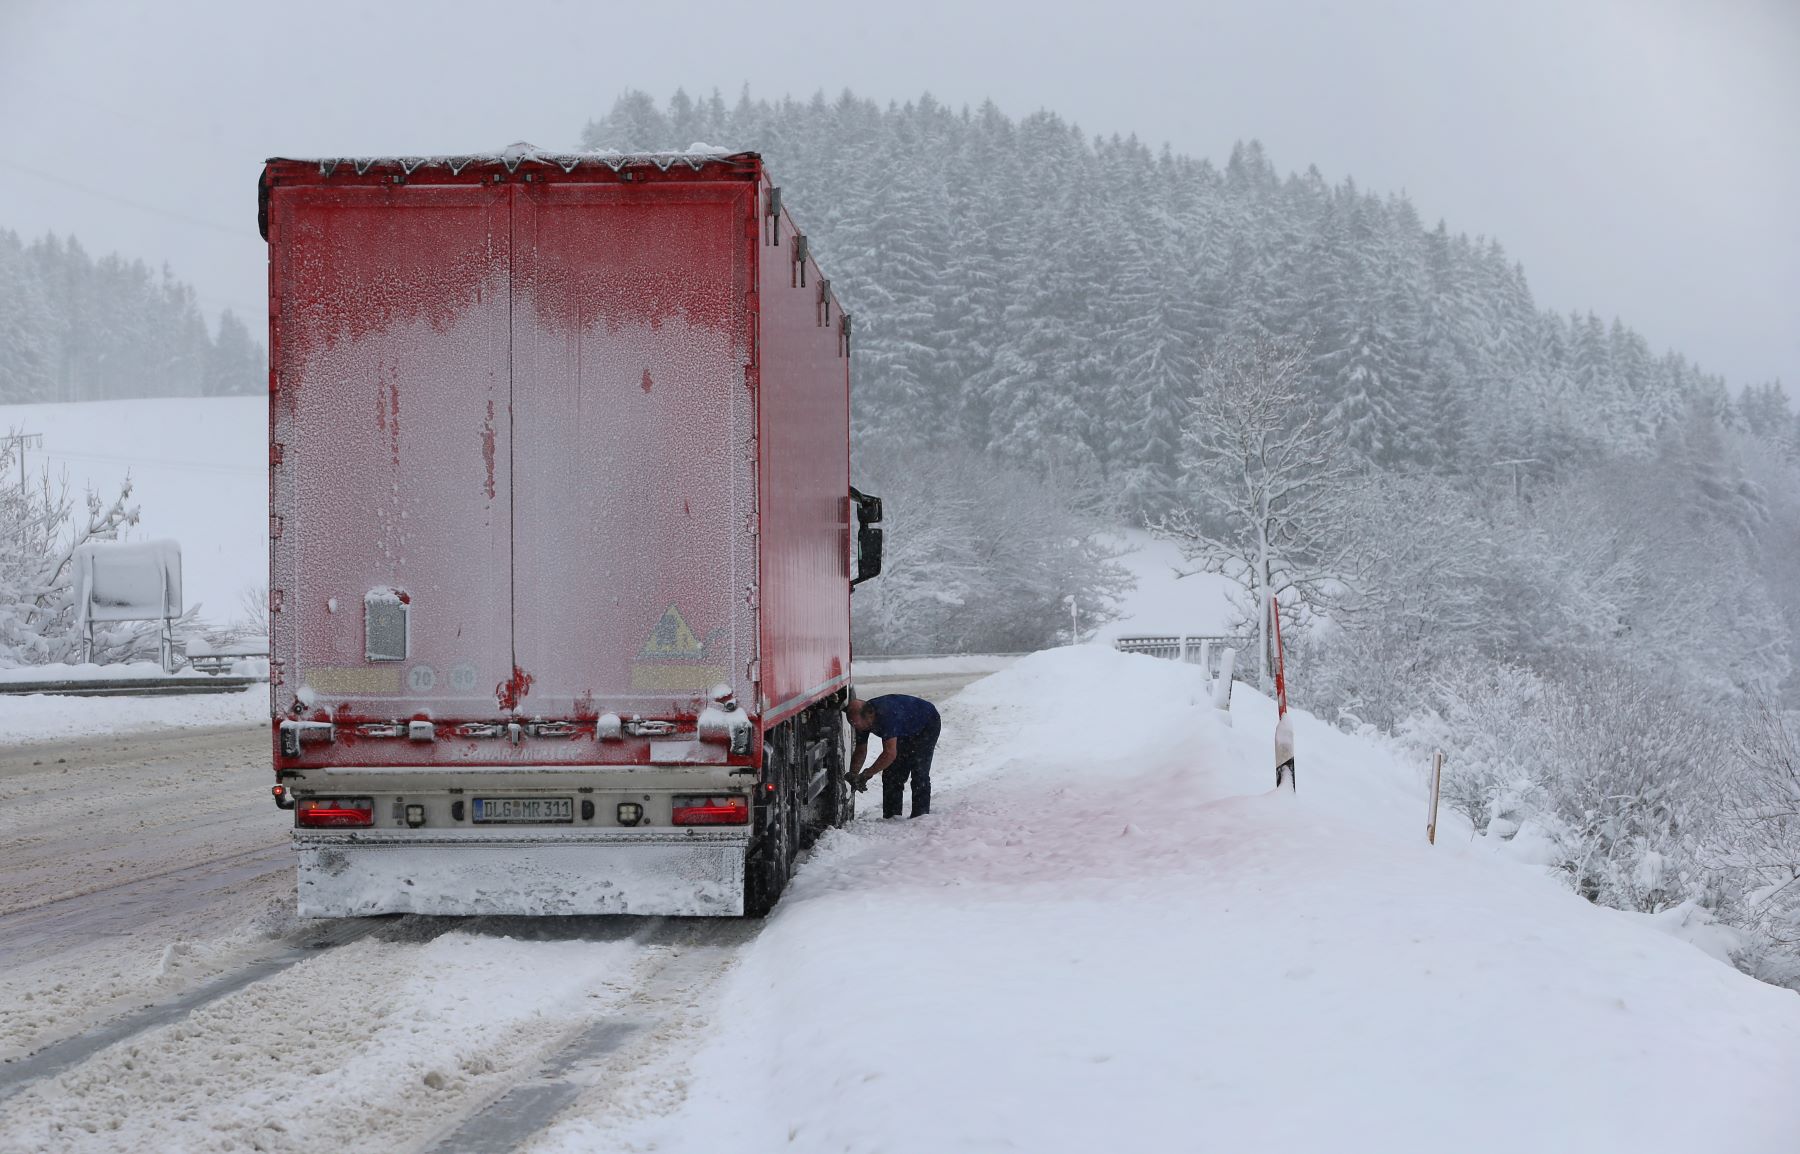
(343, 876)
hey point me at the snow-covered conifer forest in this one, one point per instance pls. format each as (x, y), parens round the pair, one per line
(1563, 556)
(73, 328)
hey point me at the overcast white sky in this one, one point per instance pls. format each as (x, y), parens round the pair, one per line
(1640, 157)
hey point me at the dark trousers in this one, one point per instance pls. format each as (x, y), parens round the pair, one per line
(911, 763)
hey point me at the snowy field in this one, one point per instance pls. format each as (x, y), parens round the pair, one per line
(1109, 935)
(200, 473)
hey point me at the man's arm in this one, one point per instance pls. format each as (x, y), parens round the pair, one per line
(858, 753)
(890, 748)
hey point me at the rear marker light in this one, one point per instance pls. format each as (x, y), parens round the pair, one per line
(730, 809)
(353, 812)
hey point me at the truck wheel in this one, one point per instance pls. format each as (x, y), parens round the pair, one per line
(771, 857)
(766, 868)
(840, 798)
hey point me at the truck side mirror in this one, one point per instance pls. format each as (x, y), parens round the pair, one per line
(868, 554)
(868, 537)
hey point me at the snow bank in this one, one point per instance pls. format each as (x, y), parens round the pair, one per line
(1113, 935)
(39, 717)
(128, 671)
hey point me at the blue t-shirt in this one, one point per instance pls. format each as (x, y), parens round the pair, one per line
(898, 715)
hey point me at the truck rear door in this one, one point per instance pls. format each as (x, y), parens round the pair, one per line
(390, 456)
(634, 488)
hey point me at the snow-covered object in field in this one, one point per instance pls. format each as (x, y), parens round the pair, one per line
(131, 581)
(136, 581)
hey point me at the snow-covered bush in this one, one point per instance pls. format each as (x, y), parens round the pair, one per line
(1635, 779)
(40, 529)
(1487, 718)
(1757, 840)
(1619, 774)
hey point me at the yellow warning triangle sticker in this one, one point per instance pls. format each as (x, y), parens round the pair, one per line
(672, 637)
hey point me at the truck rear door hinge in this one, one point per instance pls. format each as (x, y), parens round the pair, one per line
(276, 449)
(275, 524)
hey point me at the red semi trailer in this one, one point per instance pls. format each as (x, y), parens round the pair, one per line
(562, 533)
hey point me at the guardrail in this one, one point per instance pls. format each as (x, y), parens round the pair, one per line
(132, 686)
(1215, 653)
(1193, 648)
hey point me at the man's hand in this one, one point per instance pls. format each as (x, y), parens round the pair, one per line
(860, 782)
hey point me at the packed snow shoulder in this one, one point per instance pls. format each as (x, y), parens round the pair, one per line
(1111, 934)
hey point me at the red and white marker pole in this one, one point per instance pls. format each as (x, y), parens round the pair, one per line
(1284, 725)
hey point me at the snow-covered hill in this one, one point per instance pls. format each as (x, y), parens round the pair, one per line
(200, 472)
(1112, 935)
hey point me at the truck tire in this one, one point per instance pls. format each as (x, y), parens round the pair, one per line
(771, 859)
(838, 803)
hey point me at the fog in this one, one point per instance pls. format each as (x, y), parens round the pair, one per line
(1638, 158)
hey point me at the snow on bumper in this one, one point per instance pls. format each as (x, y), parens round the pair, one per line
(355, 873)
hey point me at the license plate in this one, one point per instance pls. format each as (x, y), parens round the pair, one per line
(524, 809)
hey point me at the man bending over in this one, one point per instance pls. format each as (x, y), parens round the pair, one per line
(908, 728)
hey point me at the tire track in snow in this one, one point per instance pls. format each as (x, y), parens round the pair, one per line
(614, 1065)
(363, 1048)
(54, 1059)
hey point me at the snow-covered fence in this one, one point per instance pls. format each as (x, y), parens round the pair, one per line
(140, 581)
(1202, 649)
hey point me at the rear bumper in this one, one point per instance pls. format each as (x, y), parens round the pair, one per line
(543, 872)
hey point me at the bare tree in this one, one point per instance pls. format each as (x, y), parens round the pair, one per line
(253, 612)
(1268, 483)
(40, 532)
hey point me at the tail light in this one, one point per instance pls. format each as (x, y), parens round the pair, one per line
(320, 812)
(727, 809)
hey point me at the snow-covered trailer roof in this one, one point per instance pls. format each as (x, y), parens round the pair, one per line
(518, 160)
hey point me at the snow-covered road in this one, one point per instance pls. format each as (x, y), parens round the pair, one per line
(1109, 935)
(146, 927)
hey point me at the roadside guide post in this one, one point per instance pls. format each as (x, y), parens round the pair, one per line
(1284, 725)
(1437, 777)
